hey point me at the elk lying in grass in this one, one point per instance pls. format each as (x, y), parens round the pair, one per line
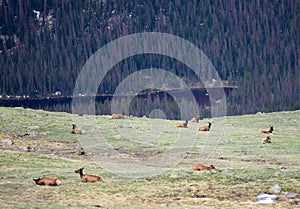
(205, 128)
(195, 120)
(88, 178)
(46, 181)
(200, 167)
(266, 140)
(182, 124)
(264, 131)
(118, 116)
(75, 130)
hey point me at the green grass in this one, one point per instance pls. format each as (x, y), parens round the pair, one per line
(245, 166)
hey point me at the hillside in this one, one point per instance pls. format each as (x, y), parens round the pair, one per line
(37, 143)
(252, 44)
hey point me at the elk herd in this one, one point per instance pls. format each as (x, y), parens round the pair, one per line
(208, 127)
(86, 178)
(89, 178)
(194, 120)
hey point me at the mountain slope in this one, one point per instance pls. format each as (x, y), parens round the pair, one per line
(252, 44)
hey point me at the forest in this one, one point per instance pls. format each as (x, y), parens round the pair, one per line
(254, 45)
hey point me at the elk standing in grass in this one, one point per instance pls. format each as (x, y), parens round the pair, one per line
(88, 178)
(205, 128)
(46, 181)
(200, 167)
(182, 124)
(75, 130)
(264, 131)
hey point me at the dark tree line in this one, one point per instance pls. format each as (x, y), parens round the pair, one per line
(252, 44)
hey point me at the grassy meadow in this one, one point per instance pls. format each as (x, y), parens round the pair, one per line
(36, 143)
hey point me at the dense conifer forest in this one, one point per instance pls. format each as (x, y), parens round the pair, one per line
(254, 45)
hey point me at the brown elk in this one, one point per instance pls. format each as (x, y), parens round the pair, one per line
(205, 128)
(182, 124)
(195, 120)
(46, 181)
(266, 140)
(200, 167)
(75, 130)
(88, 178)
(264, 131)
(118, 116)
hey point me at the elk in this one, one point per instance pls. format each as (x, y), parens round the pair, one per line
(200, 167)
(88, 178)
(182, 124)
(205, 128)
(118, 116)
(266, 140)
(264, 131)
(75, 130)
(195, 120)
(46, 181)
